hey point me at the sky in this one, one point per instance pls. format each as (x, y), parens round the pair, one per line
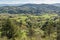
(28, 1)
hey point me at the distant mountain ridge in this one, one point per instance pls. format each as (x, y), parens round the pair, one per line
(56, 4)
(30, 9)
(10, 5)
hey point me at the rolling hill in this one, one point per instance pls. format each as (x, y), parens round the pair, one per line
(30, 9)
(56, 4)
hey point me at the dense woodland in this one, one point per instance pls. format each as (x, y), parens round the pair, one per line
(29, 27)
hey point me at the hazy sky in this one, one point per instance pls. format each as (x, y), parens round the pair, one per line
(28, 1)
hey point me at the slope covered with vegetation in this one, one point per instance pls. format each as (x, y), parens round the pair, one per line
(29, 27)
(30, 9)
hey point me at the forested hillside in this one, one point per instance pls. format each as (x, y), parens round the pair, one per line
(29, 27)
(29, 22)
(30, 9)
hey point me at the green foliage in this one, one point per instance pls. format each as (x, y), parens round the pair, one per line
(29, 27)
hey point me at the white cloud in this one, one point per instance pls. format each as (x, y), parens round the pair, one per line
(28, 1)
